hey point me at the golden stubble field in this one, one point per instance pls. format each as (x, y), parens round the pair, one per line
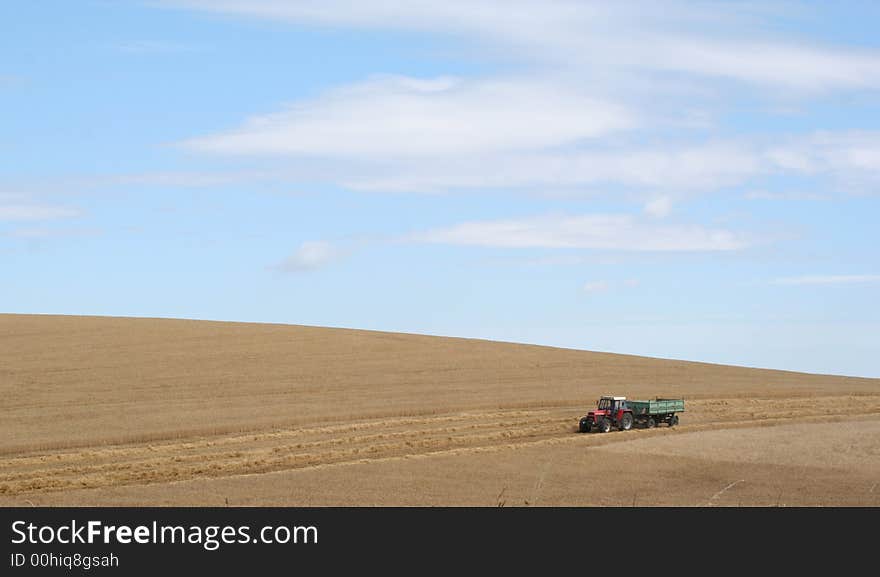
(122, 411)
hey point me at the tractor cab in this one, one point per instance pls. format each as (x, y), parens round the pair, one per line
(611, 404)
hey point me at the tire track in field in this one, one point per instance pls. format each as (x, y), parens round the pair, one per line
(281, 449)
(269, 451)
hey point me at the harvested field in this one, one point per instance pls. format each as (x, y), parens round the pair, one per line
(167, 412)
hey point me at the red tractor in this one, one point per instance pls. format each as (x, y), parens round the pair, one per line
(610, 412)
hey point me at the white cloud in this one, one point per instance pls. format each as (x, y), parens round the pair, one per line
(792, 66)
(46, 232)
(852, 158)
(190, 179)
(827, 279)
(311, 255)
(592, 231)
(601, 286)
(783, 195)
(527, 24)
(659, 207)
(602, 70)
(402, 117)
(705, 39)
(702, 166)
(17, 212)
(679, 168)
(598, 286)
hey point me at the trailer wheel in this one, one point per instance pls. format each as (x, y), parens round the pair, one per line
(605, 425)
(673, 420)
(626, 422)
(650, 424)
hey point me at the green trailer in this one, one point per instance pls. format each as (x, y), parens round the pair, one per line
(650, 413)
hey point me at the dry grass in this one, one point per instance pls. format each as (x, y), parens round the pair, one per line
(148, 411)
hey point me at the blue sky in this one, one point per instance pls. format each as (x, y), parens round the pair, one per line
(697, 180)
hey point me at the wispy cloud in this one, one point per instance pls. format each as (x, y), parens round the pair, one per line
(789, 65)
(606, 83)
(32, 233)
(591, 231)
(704, 39)
(603, 75)
(19, 212)
(396, 116)
(783, 195)
(682, 168)
(659, 207)
(457, 146)
(191, 179)
(852, 158)
(827, 279)
(602, 286)
(596, 286)
(311, 255)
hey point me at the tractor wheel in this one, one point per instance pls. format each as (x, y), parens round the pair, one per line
(585, 425)
(605, 425)
(673, 420)
(626, 422)
(651, 422)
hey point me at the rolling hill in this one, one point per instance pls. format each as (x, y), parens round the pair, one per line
(108, 410)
